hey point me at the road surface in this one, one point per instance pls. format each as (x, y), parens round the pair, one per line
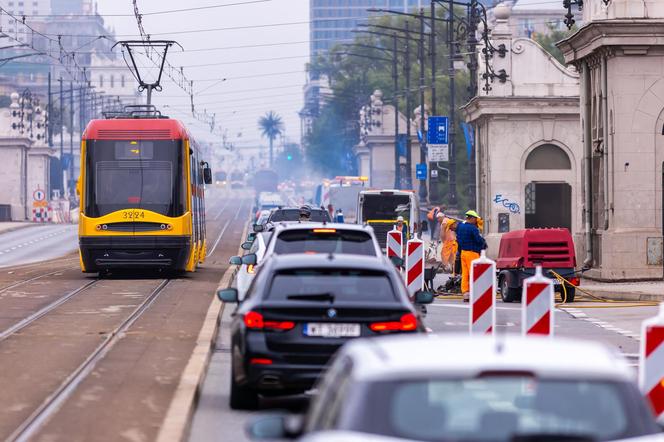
(215, 421)
(37, 243)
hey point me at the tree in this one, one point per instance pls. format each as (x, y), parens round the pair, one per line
(271, 126)
(548, 41)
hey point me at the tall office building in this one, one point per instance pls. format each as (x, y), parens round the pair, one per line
(333, 20)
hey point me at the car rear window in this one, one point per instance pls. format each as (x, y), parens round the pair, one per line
(318, 216)
(325, 240)
(332, 285)
(497, 408)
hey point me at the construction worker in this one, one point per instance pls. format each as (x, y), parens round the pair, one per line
(432, 216)
(471, 243)
(450, 246)
(401, 227)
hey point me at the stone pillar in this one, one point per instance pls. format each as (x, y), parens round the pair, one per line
(621, 52)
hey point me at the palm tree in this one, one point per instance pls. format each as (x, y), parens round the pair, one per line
(271, 126)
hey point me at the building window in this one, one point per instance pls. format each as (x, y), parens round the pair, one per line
(548, 156)
(122, 81)
(112, 81)
(101, 81)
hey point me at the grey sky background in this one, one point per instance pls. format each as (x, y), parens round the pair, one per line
(237, 102)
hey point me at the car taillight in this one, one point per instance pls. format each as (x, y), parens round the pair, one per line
(407, 322)
(260, 361)
(251, 269)
(255, 321)
(575, 281)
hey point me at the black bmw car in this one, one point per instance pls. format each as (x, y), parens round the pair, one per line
(300, 309)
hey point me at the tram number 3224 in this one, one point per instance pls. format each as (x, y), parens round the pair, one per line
(133, 214)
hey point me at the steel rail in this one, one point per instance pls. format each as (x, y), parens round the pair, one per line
(45, 310)
(34, 278)
(52, 404)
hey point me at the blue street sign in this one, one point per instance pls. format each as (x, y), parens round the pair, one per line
(421, 171)
(438, 129)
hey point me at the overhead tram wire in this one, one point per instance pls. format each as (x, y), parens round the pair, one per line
(196, 31)
(176, 75)
(168, 11)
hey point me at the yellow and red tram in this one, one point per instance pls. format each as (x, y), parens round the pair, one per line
(142, 198)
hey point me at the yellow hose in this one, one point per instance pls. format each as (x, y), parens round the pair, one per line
(594, 298)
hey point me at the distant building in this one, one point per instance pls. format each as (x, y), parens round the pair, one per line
(532, 17)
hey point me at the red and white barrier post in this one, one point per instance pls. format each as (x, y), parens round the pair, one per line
(394, 244)
(483, 295)
(651, 362)
(414, 266)
(537, 304)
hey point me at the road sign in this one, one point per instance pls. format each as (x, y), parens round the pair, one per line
(39, 195)
(421, 171)
(434, 173)
(438, 152)
(438, 129)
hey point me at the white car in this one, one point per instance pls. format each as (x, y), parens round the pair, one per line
(350, 239)
(247, 272)
(463, 388)
(308, 238)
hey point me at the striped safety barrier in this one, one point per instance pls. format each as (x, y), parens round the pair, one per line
(394, 244)
(42, 214)
(537, 304)
(483, 295)
(414, 266)
(651, 362)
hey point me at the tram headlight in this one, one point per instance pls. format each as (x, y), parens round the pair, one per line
(169, 227)
(104, 227)
(163, 227)
(98, 226)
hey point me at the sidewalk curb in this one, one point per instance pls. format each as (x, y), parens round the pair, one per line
(21, 227)
(176, 424)
(622, 296)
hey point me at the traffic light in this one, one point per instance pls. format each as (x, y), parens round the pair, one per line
(289, 157)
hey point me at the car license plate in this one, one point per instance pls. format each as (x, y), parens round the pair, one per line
(328, 330)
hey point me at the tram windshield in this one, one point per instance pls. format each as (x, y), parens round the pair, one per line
(134, 174)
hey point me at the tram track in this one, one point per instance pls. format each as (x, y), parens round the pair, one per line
(62, 351)
(52, 403)
(34, 278)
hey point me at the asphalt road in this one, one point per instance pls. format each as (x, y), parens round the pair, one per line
(37, 243)
(617, 327)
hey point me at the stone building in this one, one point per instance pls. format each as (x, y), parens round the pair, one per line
(620, 55)
(375, 152)
(24, 159)
(528, 149)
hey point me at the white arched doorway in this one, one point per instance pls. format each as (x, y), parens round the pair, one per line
(548, 193)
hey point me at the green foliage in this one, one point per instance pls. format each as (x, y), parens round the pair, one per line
(271, 125)
(548, 41)
(356, 71)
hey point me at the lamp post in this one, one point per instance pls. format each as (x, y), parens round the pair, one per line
(395, 78)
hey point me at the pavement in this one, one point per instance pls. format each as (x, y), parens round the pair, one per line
(8, 226)
(39, 242)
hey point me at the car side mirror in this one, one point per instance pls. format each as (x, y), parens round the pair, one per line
(275, 426)
(251, 236)
(398, 262)
(229, 295)
(246, 245)
(251, 259)
(258, 228)
(235, 261)
(422, 297)
(207, 175)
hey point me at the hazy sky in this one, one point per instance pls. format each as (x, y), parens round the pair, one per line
(238, 102)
